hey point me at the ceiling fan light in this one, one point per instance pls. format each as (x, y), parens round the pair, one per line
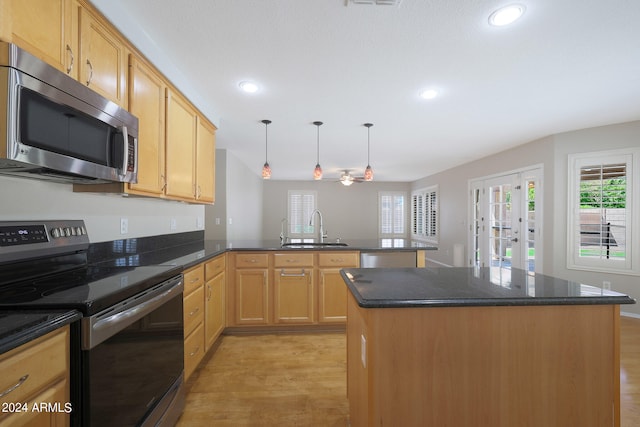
(347, 182)
(346, 179)
(368, 173)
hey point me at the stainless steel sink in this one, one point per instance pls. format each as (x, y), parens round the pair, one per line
(309, 245)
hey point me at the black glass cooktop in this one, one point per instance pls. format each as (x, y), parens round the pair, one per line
(89, 288)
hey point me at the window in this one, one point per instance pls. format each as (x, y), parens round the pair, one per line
(392, 217)
(601, 224)
(301, 205)
(424, 214)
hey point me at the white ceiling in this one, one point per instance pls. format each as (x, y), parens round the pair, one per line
(565, 65)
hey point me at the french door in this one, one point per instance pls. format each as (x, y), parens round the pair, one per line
(506, 221)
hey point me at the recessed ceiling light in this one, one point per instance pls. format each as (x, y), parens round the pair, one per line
(428, 94)
(248, 87)
(506, 15)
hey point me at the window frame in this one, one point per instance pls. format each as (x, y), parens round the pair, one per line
(426, 228)
(630, 265)
(308, 232)
(392, 194)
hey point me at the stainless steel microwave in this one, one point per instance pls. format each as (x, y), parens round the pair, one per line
(54, 127)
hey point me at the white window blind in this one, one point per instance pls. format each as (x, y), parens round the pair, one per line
(301, 205)
(424, 214)
(600, 222)
(392, 217)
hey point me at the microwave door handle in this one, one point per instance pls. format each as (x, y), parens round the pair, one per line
(125, 149)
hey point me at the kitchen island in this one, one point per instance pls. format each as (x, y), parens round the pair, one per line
(480, 347)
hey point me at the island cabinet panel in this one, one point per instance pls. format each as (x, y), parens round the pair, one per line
(332, 291)
(499, 366)
(35, 373)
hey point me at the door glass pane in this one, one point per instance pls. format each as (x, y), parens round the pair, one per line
(530, 225)
(501, 224)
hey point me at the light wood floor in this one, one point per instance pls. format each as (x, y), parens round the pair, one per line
(300, 380)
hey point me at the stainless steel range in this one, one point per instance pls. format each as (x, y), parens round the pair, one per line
(127, 352)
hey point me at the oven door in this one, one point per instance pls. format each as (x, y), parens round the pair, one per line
(132, 358)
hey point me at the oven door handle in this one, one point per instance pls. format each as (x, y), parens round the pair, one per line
(100, 327)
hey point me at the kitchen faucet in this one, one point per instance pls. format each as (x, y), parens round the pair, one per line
(323, 232)
(283, 234)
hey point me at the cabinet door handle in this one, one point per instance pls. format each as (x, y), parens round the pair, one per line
(195, 351)
(90, 72)
(209, 293)
(15, 386)
(283, 274)
(193, 313)
(70, 67)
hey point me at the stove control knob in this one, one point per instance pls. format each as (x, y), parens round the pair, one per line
(79, 231)
(67, 231)
(55, 233)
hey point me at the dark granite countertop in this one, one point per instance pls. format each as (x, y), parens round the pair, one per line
(462, 286)
(20, 327)
(164, 250)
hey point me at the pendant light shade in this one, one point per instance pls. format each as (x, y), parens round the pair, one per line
(266, 169)
(317, 172)
(368, 172)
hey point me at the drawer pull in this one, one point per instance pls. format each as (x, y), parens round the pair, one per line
(193, 313)
(283, 274)
(15, 386)
(194, 351)
(194, 280)
(337, 260)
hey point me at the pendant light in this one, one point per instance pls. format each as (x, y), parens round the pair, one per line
(317, 172)
(368, 172)
(266, 169)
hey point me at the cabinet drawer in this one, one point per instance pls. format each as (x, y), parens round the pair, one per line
(252, 260)
(292, 259)
(193, 310)
(193, 351)
(338, 259)
(214, 267)
(193, 278)
(34, 366)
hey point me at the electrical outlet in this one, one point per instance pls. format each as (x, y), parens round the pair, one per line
(606, 285)
(173, 224)
(363, 351)
(230, 221)
(217, 221)
(124, 225)
(199, 223)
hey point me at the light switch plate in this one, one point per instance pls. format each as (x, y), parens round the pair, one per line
(363, 350)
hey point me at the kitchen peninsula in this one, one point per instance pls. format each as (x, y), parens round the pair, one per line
(486, 347)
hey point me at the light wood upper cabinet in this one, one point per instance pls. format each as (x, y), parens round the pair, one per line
(180, 147)
(44, 28)
(147, 92)
(205, 162)
(103, 58)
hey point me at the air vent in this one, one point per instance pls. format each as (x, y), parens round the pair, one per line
(374, 2)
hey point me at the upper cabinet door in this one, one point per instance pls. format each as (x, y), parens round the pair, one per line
(205, 162)
(180, 149)
(43, 28)
(147, 93)
(102, 59)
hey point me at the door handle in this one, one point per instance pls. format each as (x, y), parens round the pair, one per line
(515, 239)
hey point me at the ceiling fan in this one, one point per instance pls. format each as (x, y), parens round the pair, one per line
(347, 179)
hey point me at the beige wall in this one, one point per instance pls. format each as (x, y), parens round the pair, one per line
(552, 153)
(27, 199)
(348, 212)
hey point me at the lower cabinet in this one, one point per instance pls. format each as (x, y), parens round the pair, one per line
(34, 373)
(204, 310)
(285, 288)
(215, 302)
(193, 312)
